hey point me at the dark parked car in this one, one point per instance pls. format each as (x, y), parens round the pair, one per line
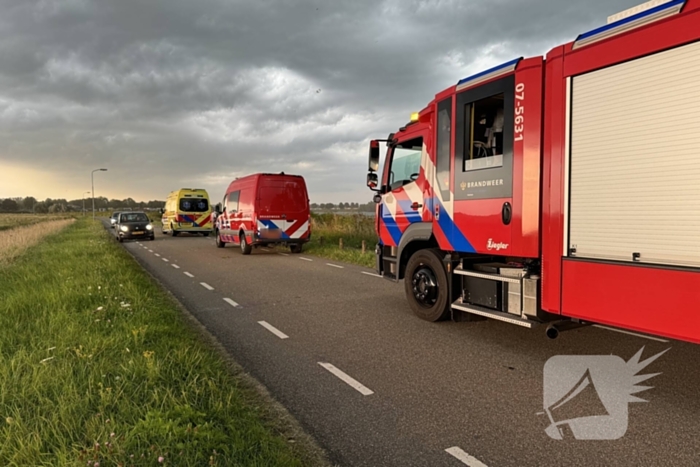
(131, 225)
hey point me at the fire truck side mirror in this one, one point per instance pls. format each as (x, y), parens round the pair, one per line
(373, 156)
(372, 181)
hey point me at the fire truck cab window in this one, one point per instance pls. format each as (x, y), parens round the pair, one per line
(232, 201)
(485, 135)
(405, 163)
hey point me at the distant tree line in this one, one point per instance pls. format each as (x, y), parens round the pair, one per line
(368, 207)
(49, 205)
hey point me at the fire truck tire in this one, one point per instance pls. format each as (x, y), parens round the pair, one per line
(219, 242)
(426, 288)
(245, 248)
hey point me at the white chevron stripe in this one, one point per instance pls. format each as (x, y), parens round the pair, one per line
(300, 231)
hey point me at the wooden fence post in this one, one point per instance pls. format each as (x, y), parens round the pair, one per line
(340, 244)
(364, 247)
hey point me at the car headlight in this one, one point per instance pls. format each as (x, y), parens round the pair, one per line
(124, 228)
(149, 227)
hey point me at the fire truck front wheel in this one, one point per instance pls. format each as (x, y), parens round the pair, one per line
(425, 282)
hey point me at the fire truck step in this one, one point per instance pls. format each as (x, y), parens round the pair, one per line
(497, 315)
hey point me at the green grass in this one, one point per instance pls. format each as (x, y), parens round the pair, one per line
(328, 229)
(98, 364)
(11, 221)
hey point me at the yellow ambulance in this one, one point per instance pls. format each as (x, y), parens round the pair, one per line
(187, 210)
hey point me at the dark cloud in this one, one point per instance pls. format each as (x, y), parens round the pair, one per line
(175, 92)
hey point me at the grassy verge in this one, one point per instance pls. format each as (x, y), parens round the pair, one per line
(329, 229)
(12, 221)
(14, 242)
(98, 367)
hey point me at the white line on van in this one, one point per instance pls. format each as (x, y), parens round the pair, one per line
(273, 330)
(206, 286)
(629, 333)
(188, 274)
(459, 454)
(371, 274)
(347, 379)
(231, 302)
(335, 266)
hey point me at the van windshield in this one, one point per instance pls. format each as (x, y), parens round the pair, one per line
(282, 195)
(194, 205)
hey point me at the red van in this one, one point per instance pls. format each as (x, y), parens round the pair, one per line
(264, 209)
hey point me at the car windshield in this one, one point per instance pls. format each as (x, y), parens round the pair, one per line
(134, 217)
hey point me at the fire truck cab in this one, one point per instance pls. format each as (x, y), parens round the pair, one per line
(559, 190)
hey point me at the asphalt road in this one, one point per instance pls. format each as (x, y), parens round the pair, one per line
(376, 386)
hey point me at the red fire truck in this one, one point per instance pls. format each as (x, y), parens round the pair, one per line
(561, 190)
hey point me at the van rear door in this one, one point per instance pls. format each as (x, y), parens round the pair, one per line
(283, 207)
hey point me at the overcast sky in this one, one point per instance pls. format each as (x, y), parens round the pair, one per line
(183, 93)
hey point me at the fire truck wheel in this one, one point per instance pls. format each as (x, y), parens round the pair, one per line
(426, 286)
(219, 242)
(245, 248)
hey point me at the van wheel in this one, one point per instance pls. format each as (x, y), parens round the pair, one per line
(219, 242)
(245, 248)
(206, 234)
(425, 283)
(172, 231)
(296, 248)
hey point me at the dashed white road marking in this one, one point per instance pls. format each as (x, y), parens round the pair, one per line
(231, 302)
(157, 255)
(265, 249)
(621, 331)
(305, 259)
(150, 250)
(166, 260)
(471, 461)
(273, 330)
(206, 286)
(283, 254)
(335, 266)
(347, 379)
(371, 274)
(188, 274)
(175, 266)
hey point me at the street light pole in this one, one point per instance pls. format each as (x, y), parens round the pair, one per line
(92, 179)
